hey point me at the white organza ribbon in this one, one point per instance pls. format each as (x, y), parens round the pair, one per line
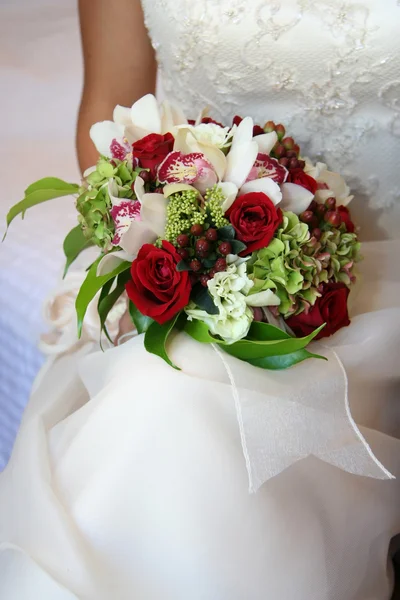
(304, 412)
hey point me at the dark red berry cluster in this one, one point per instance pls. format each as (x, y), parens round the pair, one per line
(286, 151)
(321, 216)
(203, 252)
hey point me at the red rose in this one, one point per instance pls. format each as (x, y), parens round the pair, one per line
(152, 149)
(346, 219)
(300, 178)
(157, 289)
(330, 308)
(255, 220)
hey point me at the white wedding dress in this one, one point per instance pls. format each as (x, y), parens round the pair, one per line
(130, 480)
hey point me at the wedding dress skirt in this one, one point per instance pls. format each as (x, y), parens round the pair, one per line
(128, 479)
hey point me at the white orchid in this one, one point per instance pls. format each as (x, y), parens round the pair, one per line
(332, 184)
(229, 290)
(137, 222)
(241, 160)
(131, 124)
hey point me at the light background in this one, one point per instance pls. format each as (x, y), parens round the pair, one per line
(40, 84)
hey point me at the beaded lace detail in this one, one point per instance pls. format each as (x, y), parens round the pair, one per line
(328, 69)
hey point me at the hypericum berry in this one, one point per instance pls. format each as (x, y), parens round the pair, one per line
(313, 205)
(280, 130)
(293, 163)
(195, 265)
(204, 279)
(330, 203)
(145, 175)
(158, 190)
(220, 264)
(291, 154)
(333, 218)
(212, 234)
(302, 164)
(314, 223)
(320, 210)
(296, 148)
(284, 161)
(183, 240)
(183, 253)
(269, 127)
(225, 248)
(307, 216)
(317, 233)
(212, 272)
(288, 143)
(196, 230)
(279, 151)
(202, 247)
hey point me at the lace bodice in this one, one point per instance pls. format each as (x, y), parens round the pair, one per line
(328, 69)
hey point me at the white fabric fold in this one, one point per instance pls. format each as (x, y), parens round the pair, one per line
(304, 411)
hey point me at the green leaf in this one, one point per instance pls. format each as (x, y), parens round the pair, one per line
(40, 191)
(285, 361)
(199, 332)
(201, 297)
(51, 183)
(226, 233)
(237, 246)
(182, 266)
(273, 342)
(141, 322)
(264, 331)
(156, 337)
(107, 300)
(74, 243)
(92, 285)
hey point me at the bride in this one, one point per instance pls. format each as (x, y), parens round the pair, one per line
(128, 479)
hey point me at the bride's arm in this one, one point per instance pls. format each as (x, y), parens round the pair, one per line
(119, 68)
(119, 64)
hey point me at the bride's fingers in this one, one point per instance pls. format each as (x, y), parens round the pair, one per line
(125, 327)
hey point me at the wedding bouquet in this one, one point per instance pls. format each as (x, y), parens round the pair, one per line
(224, 232)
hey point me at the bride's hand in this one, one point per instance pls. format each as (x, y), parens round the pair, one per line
(125, 326)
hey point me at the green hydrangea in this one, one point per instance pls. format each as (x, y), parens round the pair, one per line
(295, 264)
(94, 204)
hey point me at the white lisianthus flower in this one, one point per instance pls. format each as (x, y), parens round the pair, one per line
(334, 184)
(229, 290)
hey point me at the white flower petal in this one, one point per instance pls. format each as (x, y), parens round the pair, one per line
(139, 188)
(171, 117)
(265, 298)
(230, 191)
(146, 114)
(243, 133)
(110, 261)
(239, 162)
(122, 115)
(174, 188)
(139, 233)
(265, 185)
(153, 212)
(295, 198)
(113, 193)
(266, 142)
(103, 133)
